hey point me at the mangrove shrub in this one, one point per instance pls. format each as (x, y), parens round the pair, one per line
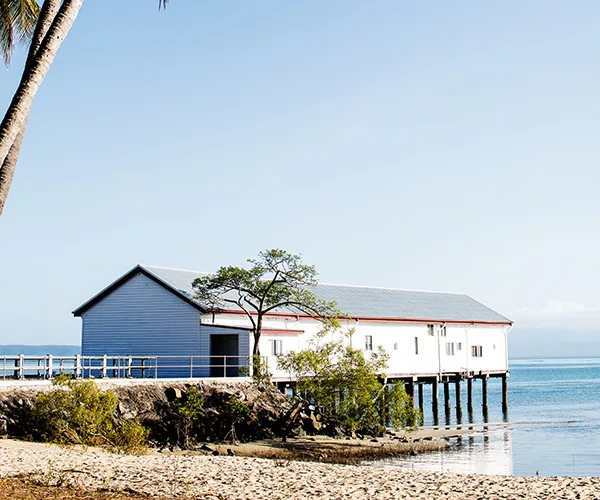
(348, 389)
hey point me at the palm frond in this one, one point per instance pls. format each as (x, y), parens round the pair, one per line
(17, 21)
(26, 14)
(6, 31)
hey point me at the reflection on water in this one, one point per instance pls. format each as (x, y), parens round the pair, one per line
(552, 427)
(489, 452)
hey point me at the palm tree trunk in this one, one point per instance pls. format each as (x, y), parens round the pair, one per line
(7, 169)
(52, 28)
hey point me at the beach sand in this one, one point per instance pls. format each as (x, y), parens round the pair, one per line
(176, 475)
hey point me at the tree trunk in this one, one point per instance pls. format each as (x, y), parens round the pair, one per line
(256, 359)
(257, 332)
(38, 63)
(7, 168)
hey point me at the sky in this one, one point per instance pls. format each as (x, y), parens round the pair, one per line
(449, 146)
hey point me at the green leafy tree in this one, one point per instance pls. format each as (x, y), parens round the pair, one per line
(347, 388)
(276, 281)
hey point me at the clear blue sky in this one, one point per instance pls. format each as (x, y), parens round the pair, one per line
(430, 145)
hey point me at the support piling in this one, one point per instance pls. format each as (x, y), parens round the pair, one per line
(505, 394)
(484, 397)
(458, 399)
(434, 401)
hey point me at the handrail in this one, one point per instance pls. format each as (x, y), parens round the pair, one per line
(106, 366)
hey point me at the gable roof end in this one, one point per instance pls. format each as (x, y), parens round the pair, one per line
(139, 269)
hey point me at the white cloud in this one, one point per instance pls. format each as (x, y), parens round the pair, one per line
(559, 314)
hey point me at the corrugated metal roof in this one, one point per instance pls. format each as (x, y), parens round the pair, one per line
(371, 302)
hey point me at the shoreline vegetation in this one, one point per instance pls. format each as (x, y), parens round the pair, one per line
(221, 440)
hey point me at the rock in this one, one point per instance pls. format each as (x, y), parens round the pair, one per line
(205, 447)
(172, 393)
(230, 452)
(338, 432)
(3, 427)
(315, 425)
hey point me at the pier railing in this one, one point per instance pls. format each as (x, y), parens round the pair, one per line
(46, 367)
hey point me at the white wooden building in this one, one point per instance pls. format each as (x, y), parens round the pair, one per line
(430, 336)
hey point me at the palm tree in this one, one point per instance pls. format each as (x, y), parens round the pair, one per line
(17, 21)
(53, 23)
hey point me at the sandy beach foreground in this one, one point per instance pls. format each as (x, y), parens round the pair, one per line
(174, 476)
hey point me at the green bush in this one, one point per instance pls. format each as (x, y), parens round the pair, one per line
(233, 413)
(348, 389)
(129, 437)
(78, 412)
(189, 412)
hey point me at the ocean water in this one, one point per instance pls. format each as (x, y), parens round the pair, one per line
(552, 427)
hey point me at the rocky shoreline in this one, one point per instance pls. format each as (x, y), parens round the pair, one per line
(176, 476)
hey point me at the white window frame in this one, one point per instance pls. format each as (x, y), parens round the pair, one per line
(276, 347)
(431, 330)
(476, 351)
(449, 348)
(443, 331)
(368, 342)
(416, 346)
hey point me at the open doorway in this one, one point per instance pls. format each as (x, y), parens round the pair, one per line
(224, 351)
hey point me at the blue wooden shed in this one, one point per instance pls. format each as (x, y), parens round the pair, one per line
(145, 313)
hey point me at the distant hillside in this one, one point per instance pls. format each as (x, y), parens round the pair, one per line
(39, 350)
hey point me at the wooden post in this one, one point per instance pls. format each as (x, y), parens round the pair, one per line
(49, 366)
(104, 365)
(458, 399)
(421, 406)
(447, 395)
(434, 401)
(78, 366)
(410, 390)
(21, 367)
(484, 394)
(504, 393)
(470, 394)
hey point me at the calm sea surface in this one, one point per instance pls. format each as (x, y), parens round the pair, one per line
(553, 424)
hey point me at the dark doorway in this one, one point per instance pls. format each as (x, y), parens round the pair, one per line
(224, 352)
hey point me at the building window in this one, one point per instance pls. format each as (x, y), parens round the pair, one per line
(416, 345)
(276, 347)
(459, 346)
(449, 348)
(477, 351)
(368, 342)
(395, 346)
(443, 331)
(431, 330)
